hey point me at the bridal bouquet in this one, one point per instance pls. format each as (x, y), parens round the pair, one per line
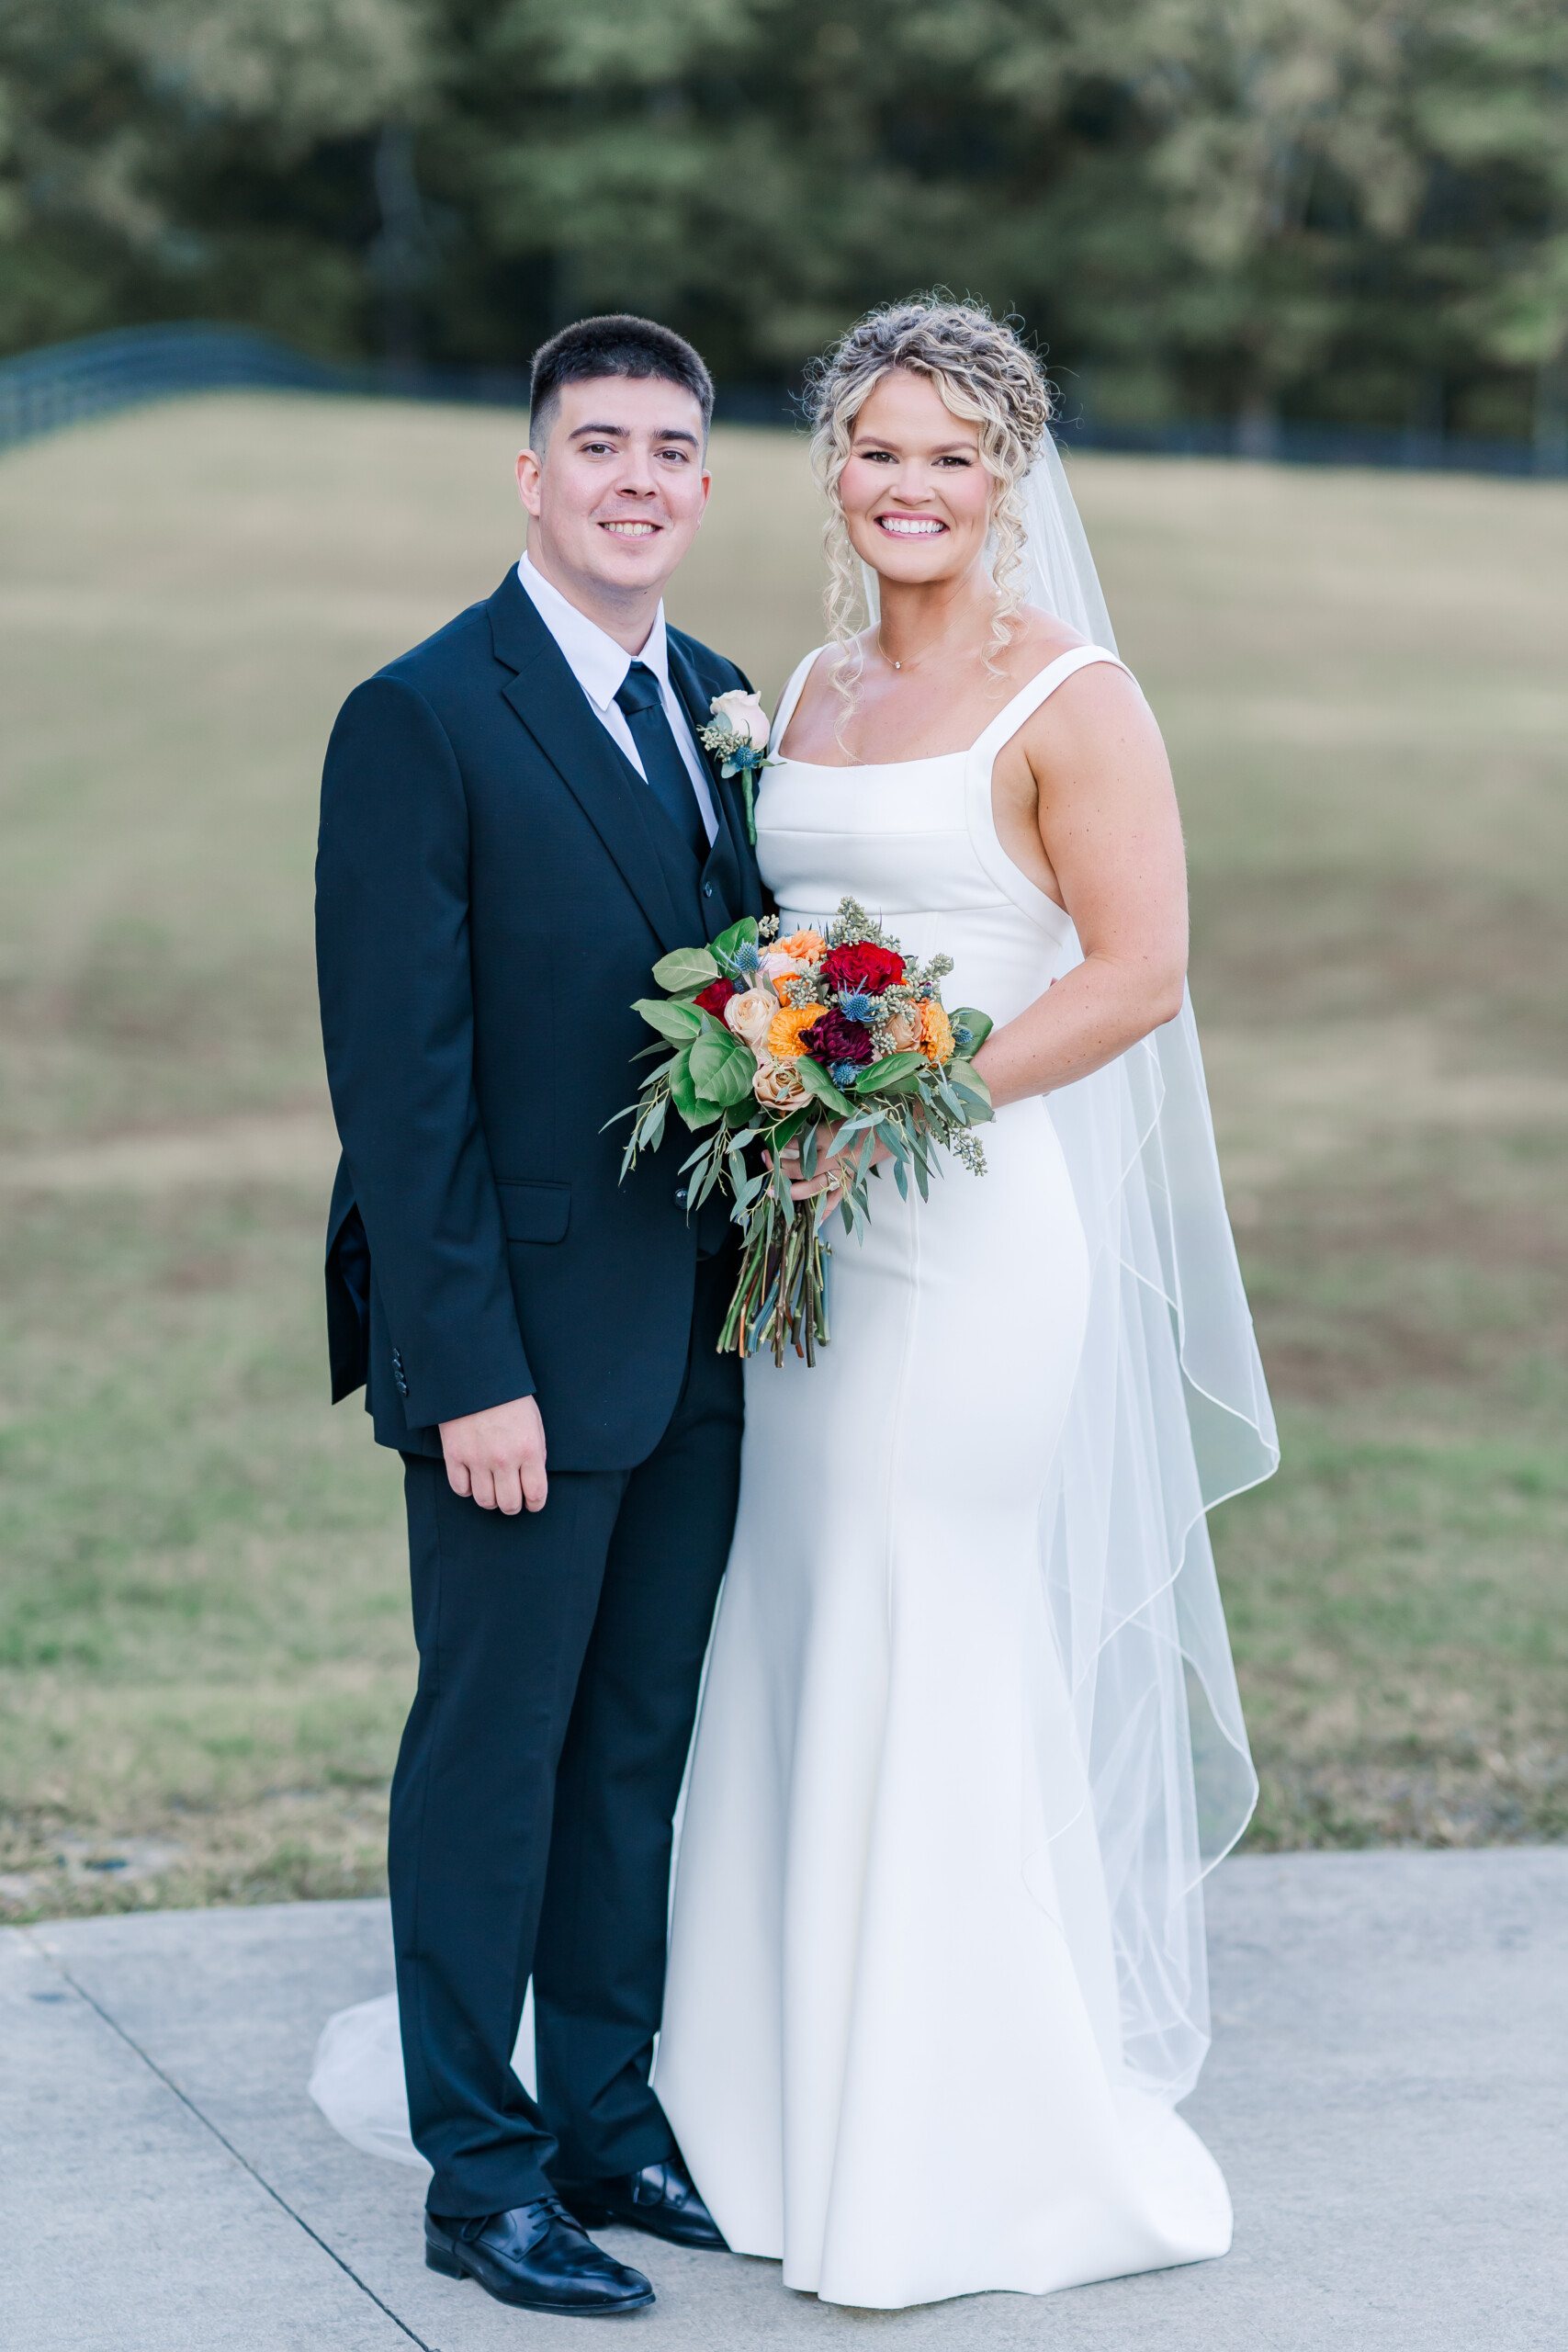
(788, 1045)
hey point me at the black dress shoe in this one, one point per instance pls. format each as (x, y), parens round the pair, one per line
(538, 2257)
(659, 2199)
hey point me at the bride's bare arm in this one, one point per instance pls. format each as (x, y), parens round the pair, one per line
(1105, 809)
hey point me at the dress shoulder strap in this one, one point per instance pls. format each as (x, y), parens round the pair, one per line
(1044, 684)
(789, 697)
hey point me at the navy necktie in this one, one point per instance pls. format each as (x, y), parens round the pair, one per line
(668, 775)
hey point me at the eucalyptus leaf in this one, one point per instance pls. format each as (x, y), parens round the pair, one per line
(722, 1069)
(979, 1026)
(889, 1071)
(683, 1094)
(967, 1082)
(679, 1023)
(685, 969)
(816, 1080)
(742, 933)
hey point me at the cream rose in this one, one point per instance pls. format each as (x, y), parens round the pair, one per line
(744, 716)
(751, 1015)
(777, 1086)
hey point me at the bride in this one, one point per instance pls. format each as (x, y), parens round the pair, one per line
(970, 1736)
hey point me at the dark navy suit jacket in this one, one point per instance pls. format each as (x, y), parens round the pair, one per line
(493, 883)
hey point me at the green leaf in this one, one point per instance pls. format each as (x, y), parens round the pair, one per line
(722, 1069)
(973, 1091)
(683, 1094)
(816, 1080)
(979, 1026)
(685, 970)
(676, 1021)
(728, 941)
(889, 1071)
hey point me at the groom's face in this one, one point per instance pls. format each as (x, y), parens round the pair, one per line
(617, 494)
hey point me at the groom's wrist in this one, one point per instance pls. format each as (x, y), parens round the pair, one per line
(433, 1396)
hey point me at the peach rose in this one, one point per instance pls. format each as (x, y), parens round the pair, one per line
(776, 1087)
(904, 1030)
(804, 945)
(751, 1015)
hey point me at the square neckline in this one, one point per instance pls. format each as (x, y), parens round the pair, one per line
(1034, 691)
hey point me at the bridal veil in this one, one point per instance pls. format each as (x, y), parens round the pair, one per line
(1169, 1415)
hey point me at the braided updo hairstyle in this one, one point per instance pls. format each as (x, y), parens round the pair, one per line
(984, 373)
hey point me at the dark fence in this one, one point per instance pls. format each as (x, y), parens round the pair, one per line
(42, 391)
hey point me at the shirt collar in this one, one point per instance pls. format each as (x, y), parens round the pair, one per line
(598, 663)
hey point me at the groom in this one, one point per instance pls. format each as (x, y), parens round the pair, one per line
(517, 821)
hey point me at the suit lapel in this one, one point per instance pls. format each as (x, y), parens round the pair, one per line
(556, 714)
(729, 856)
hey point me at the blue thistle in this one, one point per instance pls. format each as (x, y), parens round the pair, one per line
(843, 1075)
(857, 1006)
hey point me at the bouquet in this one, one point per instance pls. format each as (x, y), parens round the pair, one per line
(773, 1045)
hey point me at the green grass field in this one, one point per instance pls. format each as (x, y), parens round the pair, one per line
(203, 1648)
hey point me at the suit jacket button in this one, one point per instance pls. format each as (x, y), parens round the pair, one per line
(681, 1196)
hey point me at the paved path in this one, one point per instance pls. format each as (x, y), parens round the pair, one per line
(1386, 2094)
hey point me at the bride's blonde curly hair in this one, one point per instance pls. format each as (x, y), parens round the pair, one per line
(986, 374)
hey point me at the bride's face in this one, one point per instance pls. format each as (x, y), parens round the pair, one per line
(916, 497)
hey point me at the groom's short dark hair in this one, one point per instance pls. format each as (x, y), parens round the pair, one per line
(617, 345)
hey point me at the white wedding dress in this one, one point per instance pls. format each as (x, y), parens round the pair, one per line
(935, 1970)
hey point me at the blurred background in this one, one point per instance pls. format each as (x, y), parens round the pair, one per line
(1242, 235)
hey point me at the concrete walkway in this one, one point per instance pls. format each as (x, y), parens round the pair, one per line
(1386, 2094)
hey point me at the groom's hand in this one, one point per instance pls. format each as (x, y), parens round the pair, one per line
(498, 1456)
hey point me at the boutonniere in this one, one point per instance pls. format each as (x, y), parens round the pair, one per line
(738, 734)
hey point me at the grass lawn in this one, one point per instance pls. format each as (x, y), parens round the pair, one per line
(204, 1649)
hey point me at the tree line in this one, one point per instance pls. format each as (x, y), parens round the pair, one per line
(1351, 210)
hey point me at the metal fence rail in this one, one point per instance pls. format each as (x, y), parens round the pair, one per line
(40, 392)
(66, 382)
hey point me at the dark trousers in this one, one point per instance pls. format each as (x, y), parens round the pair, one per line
(561, 1654)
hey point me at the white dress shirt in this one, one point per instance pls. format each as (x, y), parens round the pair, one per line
(600, 667)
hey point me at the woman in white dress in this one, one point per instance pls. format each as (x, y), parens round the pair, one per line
(970, 1736)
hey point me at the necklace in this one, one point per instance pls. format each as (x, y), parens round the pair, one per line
(900, 666)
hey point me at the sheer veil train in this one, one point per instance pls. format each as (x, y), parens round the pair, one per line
(1169, 1415)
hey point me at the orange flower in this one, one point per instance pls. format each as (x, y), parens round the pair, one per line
(784, 1030)
(936, 1031)
(806, 945)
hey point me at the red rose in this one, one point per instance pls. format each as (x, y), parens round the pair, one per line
(717, 995)
(862, 969)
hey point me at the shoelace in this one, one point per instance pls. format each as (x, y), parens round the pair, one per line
(550, 2207)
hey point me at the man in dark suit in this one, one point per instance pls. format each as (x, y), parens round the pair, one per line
(516, 821)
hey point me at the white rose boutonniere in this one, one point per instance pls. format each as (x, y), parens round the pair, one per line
(738, 734)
